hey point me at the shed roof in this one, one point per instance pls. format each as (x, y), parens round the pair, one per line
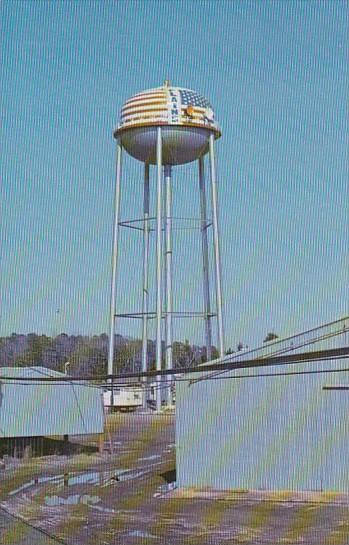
(29, 409)
(36, 370)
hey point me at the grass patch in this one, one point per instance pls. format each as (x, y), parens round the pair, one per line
(302, 524)
(340, 535)
(14, 533)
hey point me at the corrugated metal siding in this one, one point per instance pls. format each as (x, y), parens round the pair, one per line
(39, 409)
(265, 433)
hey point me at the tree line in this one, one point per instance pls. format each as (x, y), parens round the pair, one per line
(88, 355)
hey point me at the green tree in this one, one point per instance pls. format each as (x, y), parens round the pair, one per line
(127, 356)
(33, 354)
(270, 337)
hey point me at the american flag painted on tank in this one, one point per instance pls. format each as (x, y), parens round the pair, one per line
(153, 95)
(180, 99)
(190, 98)
(150, 105)
(144, 103)
(166, 105)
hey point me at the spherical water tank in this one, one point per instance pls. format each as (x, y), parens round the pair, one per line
(185, 117)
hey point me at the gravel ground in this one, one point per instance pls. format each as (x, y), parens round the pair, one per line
(125, 497)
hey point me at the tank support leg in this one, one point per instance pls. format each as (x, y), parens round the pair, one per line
(158, 266)
(145, 277)
(206, 280)
(114, 259)
(168, 266)
(219, 300)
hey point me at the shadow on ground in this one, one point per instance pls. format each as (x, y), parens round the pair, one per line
(42, 446)
(169, 476)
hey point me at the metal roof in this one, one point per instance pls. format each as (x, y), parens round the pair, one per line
(29, 409)
(36, 370)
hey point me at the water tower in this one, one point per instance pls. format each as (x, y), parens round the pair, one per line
(165, 127)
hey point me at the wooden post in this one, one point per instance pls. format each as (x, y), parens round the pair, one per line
(27, 450)
(66, 444)
(101, 443)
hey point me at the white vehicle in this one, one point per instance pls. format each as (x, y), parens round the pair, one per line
(152, 390)
(124, 399)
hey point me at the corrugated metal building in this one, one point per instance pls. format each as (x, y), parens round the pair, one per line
(36, 409)
(282, 432)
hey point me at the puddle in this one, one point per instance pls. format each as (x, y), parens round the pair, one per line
(93, 478)
(164, 488)
(153, 457)
(103, 509)
(33, 482)
(140, 533)
(74, 499)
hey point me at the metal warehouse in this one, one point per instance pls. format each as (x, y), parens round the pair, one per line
(286, 432)
(37, 409)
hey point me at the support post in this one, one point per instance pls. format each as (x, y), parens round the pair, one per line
(168, 265)
(101, 443)
(205, 263)
(158, 266)
(114, 259)
(219, 300)
(145, 278)
(66, 443)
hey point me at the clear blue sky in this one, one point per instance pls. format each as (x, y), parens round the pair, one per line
(277, 75)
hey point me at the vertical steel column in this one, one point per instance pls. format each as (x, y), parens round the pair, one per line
(219, 300)
(158, 266)
(168, 265)
(145, 276)
(206, 278)
(114, 258)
